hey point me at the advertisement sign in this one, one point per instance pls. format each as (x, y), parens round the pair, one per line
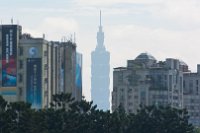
(78, 71)
(62, 71)
(9, 54)
(33, 82)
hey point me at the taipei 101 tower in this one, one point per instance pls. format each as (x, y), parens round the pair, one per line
(100, 69)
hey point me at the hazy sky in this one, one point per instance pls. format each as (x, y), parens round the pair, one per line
(163, 28)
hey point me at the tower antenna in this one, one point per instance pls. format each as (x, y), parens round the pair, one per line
(74, 37)
(100, 17)
(12, 20)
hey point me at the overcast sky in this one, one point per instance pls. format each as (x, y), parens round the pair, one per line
(163, 28)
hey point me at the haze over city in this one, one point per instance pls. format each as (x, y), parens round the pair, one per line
(163, 28)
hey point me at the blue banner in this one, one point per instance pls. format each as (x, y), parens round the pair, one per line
(33, 82)
(78, 71)
(9, 55)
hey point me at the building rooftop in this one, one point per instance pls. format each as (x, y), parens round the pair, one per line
(145, 56)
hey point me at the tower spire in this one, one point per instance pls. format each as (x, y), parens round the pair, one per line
(100, 18)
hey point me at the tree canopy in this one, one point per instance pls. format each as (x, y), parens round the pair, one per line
(68, 116)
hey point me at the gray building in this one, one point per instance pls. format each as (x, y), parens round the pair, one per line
(191, 85)
(100, 69)
(145, 81)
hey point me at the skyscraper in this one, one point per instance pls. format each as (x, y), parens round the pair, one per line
(100, 70)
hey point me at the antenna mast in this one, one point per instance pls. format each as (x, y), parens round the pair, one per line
(12, 20)
(100, 17)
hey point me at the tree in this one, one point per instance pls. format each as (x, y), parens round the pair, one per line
(62, 101)
(67, 115)
(153, 119)
(3, 119)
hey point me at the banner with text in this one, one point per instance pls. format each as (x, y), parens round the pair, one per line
(9, 56)
(33, 82)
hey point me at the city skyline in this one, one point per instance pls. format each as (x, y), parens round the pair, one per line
(164, 28)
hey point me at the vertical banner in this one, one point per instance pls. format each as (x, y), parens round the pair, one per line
(62, 70)
(33, 82)
(9, 56)
(79, 71)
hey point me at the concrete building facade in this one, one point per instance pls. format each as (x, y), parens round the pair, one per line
(191, 85)
(43, 68)
(147, 82)
(34, 71)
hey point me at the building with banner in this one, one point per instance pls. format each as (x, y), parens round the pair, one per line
(47, 68)
(9, 41)
(33, 69)
(78, 76)
(63, 61)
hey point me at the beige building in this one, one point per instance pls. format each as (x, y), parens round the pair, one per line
(33, 69)
(147, 82)
(57, 74)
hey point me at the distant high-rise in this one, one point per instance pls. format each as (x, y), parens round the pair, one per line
(100, 70)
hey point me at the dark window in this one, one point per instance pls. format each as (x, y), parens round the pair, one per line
(21, 52)
(20, 91)
(20, 78)
(191, 86)
(46, 80)
(165, 77)
(21, 64)
(45, 53)
(46, 67)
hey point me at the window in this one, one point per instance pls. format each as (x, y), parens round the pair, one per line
(20, 91)
(21, 52)
(21, 64)
(46, 80)
(20, 78)
(45, 53)
(46, 67)
(165, 77)
(191, 86)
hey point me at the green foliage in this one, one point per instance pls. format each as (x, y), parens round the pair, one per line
(69, 116)
(197, 130)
